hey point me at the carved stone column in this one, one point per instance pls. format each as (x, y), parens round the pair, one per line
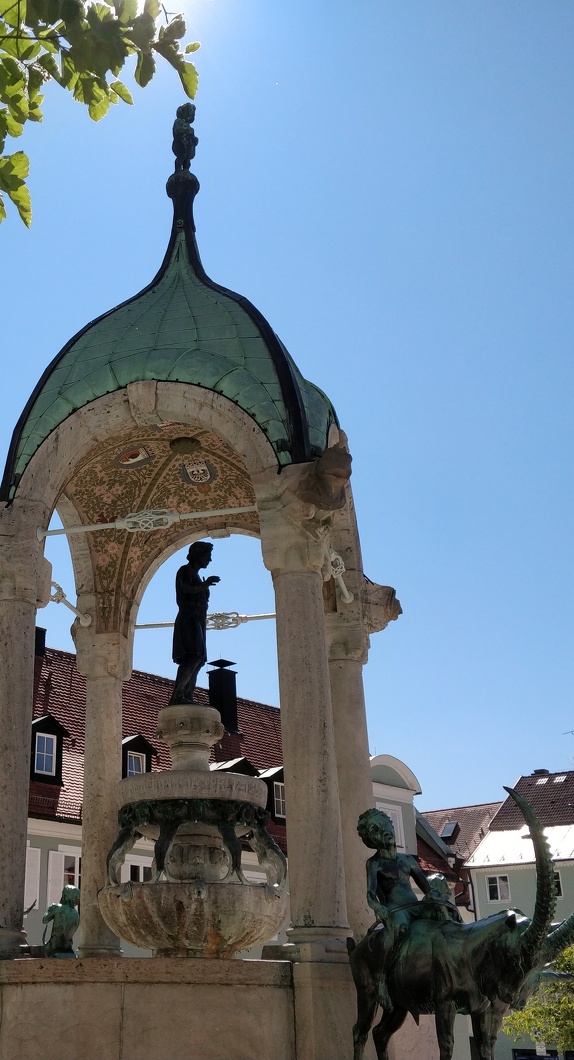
(348, 627)
(102, 659)
(294, 539)
(24, 586)
(346, 659)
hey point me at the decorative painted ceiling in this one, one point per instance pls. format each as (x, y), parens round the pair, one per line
(157, 467)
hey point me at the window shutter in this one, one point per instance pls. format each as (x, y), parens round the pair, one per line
(32, 885)
(55, 877)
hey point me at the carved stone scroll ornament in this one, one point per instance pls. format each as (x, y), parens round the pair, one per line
(380, 606)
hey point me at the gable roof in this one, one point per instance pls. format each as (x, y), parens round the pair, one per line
(550, 794)
(474, 823)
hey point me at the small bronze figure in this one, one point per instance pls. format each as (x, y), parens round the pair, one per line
(65, 919)
(184, 139)
(192, 596)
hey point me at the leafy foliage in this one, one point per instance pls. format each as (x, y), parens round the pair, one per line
(83, 48)
(549, 1014)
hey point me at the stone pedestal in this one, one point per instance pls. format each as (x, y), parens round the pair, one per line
(186, 1010)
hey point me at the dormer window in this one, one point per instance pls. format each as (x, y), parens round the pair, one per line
(275, 780)
(45, 757)
(47, 749)
(136, 764)
(137, 753)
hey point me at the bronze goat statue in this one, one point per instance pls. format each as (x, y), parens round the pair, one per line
(418, 959)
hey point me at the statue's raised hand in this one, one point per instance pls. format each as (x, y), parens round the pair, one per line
(212, 580)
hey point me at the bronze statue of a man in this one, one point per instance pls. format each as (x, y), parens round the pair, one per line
(192, 597)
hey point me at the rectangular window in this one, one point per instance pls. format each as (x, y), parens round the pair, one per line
(64, 867)
(498, 889)
(136, 764)
(136, 869)
(45, 754)
(72, 870)
(558, 884)
(279, 797)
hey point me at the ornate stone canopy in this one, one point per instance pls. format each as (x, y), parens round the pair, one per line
(182, 328)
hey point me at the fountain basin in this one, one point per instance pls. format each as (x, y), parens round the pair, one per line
(194, 919)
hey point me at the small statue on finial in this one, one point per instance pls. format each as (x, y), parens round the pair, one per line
(184, 139)
(65, 919)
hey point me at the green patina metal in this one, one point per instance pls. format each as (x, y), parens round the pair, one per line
(182, 328)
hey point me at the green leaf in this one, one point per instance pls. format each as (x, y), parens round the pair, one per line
(2, 210)
(189, 78)
(50, 41)
(126, 10)
(13, 127)
(35, 112)
(13, 171)
(18, 106)
(71, 10)
(49, 64)
(174, 30)
(14, 72)
(46, 11)
(10, 12)
(21, 198)
(152, 8)
(69, 75)
(141, 32)
(122, 91)
(145, 69)
(36, 81)
(192, 47)
(14, 168)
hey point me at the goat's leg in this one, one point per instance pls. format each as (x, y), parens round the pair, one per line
(366, 1008)
(485, 1028)
(444, 1023)
(383, 1032)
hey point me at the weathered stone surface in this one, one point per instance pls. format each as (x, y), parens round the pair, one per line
(146, 1010)
(194, 919)
(190, 730)
(102, 658)
(192, 785)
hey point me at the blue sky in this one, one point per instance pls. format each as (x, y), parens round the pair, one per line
(391, 184)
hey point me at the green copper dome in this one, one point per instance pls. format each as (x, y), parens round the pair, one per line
(181, 328)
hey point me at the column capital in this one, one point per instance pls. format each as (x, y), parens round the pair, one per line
(101, 655)
(296, 511)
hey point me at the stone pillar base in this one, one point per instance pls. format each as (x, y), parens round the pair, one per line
(327, 945)
(10, 942)
(100, 951)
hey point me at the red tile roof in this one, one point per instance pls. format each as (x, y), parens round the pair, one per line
(551, 795)
(474, 823)
(59, 689)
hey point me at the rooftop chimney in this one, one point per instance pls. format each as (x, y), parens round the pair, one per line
(540, 772)
(223, 694)
(40, 642)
